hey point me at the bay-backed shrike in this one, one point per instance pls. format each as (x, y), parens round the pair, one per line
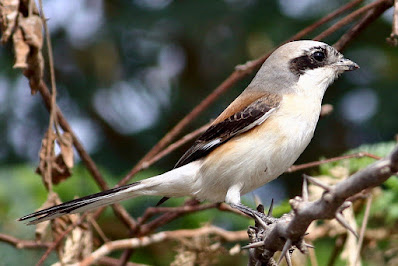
(253, 141)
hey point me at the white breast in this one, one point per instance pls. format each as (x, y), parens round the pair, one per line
(260, 155)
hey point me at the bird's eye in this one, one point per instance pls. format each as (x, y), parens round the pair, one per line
(319, 56)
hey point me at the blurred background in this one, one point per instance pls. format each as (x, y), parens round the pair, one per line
(128, 71)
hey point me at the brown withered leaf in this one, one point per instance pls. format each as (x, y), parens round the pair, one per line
(46, 143)
(61, 164)
(21, 50)
(8, 17)
(60, 171)
(32, 29)
(67, 149)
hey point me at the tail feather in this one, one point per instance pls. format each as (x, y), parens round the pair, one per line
(82, 204)
(175, 183)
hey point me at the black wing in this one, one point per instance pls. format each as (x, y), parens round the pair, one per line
(217, 134)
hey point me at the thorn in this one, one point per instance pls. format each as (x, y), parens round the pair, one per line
(271, 208)
(340, 218)
(286, 247)
(305, 189)
(318, 183)
(288, 260)
(259, 221)
(345, 205)
(254, 245)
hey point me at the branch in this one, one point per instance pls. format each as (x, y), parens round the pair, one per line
(160, 237)
(349, 18)
(393, 39)
(21, 243)
(295, 168)
(289, 230)
(363, 23)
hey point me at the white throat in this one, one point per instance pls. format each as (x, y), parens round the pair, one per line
(314, 82)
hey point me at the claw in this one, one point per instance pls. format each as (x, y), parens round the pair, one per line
(254, 245)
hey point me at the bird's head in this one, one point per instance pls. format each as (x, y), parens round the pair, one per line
(301, 66)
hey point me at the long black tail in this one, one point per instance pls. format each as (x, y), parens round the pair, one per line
(83, 204)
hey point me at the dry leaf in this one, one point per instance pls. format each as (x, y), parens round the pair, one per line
(32, 30)
(60, 171)
(61, 164)
(47, 143)
(21, 50)
(8, 17)
(67, 149)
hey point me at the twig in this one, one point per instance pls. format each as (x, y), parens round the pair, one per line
(295, 168)
(175, 146)
(393, 39)
(326, 19)
(53, 117)
(363, 23)
(98, 229)
(108, 261)
(363, 228)
(160, 237)
(61, 236)
(349, 18)
(22, 243)
(149, 212)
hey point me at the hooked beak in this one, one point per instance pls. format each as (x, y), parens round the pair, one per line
(346, 65)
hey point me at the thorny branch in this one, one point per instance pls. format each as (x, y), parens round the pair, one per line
(288, 231)
(374, 10)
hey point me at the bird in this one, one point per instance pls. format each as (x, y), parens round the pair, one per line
(252, 142)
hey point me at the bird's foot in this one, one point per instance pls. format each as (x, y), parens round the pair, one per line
(255, 214)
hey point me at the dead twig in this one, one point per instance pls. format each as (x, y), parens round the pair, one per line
(393, 39)
(160, 237)
(295, 168)
(22, 243)
(363, 228)
(363, 23)
(349, 18)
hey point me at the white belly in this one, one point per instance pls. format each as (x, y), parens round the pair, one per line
(257, 157)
